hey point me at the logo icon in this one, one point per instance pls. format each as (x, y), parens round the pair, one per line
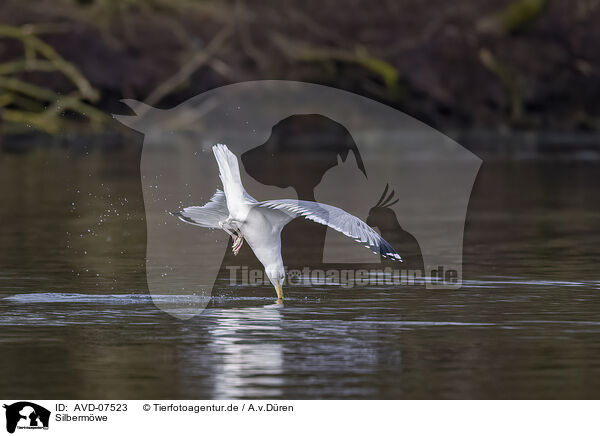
(26, 415)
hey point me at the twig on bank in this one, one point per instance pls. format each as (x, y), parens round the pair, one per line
(190, 67)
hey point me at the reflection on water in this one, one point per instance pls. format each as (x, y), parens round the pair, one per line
(249, 368)
(76, 320)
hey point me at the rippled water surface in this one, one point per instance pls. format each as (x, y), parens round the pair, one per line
(76, 320)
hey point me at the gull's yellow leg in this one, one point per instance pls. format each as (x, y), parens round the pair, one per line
(279, 290)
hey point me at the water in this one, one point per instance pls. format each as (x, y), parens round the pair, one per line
(76, 320)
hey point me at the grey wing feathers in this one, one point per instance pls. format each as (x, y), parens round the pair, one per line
(249, 198)
(208, 215)
(335, 218)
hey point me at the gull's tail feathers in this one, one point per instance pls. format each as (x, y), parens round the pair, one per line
(208, 215)
(229, 171)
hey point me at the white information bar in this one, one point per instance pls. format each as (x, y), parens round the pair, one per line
(282, 417)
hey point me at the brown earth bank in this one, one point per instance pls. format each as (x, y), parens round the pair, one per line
(470, 64)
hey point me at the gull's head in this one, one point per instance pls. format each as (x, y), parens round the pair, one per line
(276, 274)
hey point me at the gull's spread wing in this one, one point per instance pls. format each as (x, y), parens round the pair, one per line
(281, 212)
(208, 215)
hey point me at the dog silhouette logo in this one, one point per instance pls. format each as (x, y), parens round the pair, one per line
(303, 142)
(26, 415)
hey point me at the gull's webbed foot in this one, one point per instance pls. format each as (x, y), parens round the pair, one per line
(237, 244)
(225, 226)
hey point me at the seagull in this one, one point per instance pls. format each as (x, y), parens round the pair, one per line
(260, 222)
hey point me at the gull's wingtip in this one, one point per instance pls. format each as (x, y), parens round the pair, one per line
(177, 214)
(390, 253)
(395, 256)
(182, 217)
(392, 256)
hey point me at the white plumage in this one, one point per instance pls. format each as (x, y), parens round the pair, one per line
(260, 222)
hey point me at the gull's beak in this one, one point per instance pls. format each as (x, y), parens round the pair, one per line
(279, 290)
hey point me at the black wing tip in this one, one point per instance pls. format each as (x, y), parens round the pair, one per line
(385, 250)
(394, 256)
(388, 251)
(182, 217)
